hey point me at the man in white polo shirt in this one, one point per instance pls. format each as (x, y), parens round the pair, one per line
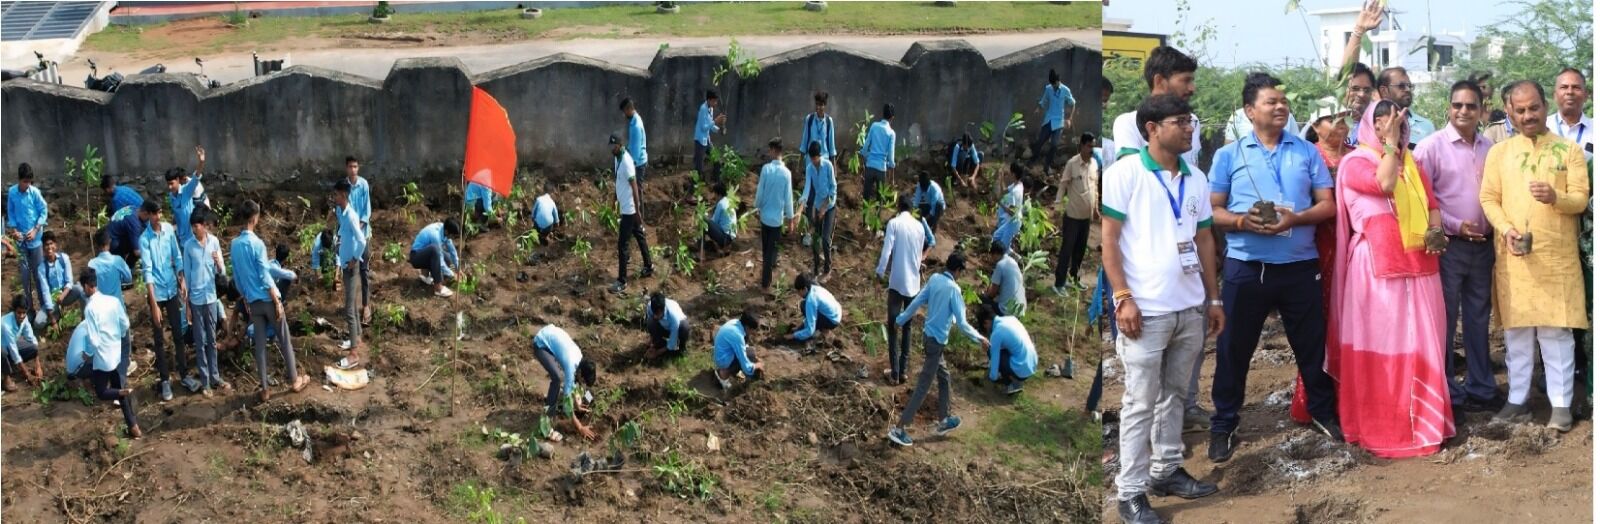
(1160, 260)
(1572, 93)
(1167, 71)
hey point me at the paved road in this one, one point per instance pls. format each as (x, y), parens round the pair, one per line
(375, 63)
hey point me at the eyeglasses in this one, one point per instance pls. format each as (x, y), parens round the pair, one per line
(1361, 90)
(1403, 86)
(1184, 122)
(1463, 105)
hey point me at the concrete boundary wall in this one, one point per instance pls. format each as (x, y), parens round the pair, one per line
(271, 130)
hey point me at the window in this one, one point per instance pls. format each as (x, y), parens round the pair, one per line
(1444, 55)
(1383, 58)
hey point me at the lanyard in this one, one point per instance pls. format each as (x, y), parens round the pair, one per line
(1177, 213)
(1271, 161)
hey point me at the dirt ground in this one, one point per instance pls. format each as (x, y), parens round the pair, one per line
(1284, 473)
(804, 445)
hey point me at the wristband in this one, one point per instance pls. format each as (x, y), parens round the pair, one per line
(1239, 223)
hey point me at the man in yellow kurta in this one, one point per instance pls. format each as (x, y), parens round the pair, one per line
(1535, 183)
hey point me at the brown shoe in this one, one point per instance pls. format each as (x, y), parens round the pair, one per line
(135, 432)
(264, 395)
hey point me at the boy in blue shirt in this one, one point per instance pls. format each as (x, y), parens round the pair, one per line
(819, 127)
(667, 325)
(480, 202)
(820, 196)
(1009, 222)
(545, 214)
(818, 309)
(942, 296)
(119, 197)
(731, 355)
(360, 197)
(775, 206)
(16, 334)
(1012, 358)
(161, 264)
(352, 256)
(26, 216)
(252, 276)
(878, 153)
(62, 289)
(1055, 101)
(719, 228)
(706, 122)
(559, 355)
(965, 159)
(202, 266)
(929, 200)
(435, 254)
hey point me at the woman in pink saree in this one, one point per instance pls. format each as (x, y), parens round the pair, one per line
(1388, 303)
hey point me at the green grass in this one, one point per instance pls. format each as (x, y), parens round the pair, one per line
(628, 21)
(1047, 431)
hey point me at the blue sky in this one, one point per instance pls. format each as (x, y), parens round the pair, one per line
(1259, 30)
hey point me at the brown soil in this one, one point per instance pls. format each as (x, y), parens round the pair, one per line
(1491, 472)
(806, 444)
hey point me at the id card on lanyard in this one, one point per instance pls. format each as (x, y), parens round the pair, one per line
(1187, 255)
(1277, 177)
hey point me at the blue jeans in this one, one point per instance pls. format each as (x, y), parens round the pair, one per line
(1047, 137)
(205, 343)
(1467, 272)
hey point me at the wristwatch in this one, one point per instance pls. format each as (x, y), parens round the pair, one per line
(1214, 302)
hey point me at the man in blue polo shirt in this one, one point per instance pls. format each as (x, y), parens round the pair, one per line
(707, 122)
(1055, 101)
(878, 153)
(1271, 265)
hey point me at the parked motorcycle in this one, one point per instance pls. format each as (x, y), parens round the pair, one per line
(108, 83)
(44, 71)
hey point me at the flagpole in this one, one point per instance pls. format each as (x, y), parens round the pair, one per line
(455, 351)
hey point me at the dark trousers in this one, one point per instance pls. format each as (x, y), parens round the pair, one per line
(1007, 375)
(718, 237)
(659, 335)
(700, 160)
(1047, 138)
(30, 260)
(769, 253)
(172, 309)
(430, 261)
(630, 228)
(27, 350)
(262, 314)
(1092, 404)
(1467, 270)
(552, 396)
(1074, 242)
(933, 369)
(870, 183)
(108, 386)
(932, 217)
(899, 336)
(822, 242)
(544, 234)
(1251, 291)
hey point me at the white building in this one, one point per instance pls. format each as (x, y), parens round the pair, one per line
(1393, 44)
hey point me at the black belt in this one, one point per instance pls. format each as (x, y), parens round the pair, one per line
(1468, 239)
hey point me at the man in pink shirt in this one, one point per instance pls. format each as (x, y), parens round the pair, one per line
(1453, 158)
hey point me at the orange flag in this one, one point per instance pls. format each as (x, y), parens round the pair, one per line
(491, 145)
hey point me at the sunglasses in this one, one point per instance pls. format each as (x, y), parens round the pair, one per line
(1463, 105)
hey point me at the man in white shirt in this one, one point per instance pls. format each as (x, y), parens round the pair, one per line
(1168, 72)
(1160, 261)
(1572, 92)
(627, 186)
(904, 244)
(108, 325)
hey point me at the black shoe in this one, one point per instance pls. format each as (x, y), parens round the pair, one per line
(648, 272)
(1137, 510)
(1329, 427)
(1472, 405)
(1222, 445)
(1182, 485)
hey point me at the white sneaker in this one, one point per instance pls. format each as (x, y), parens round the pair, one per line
(133, 365)
(425, 279)
(345, 344)
(725, 383)
(444, 292)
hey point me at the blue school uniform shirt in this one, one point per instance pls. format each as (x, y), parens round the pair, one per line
(1010, 335)
(818, 130)
(559, 343)
(730, 347)
(704, 125)
(1007, 224)
(670, 319)
(774, 199)
(125, 228)
(252, 274)
(361, 201)
(942, 296)
(545, 213)
(183, 203)
(57, 276)
(971, 153)
(879, 149)
(821, 185)
(475, 193)
(1288, 175)
(1055, 101)
(161, 259)
(932, 196)
(200, 269)
(352, 241)
(722, 217)
(636, 140)
(11, 332)
(123, 197)
(26, 211)
(818, 302)
(111, 273)
(433, 235)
